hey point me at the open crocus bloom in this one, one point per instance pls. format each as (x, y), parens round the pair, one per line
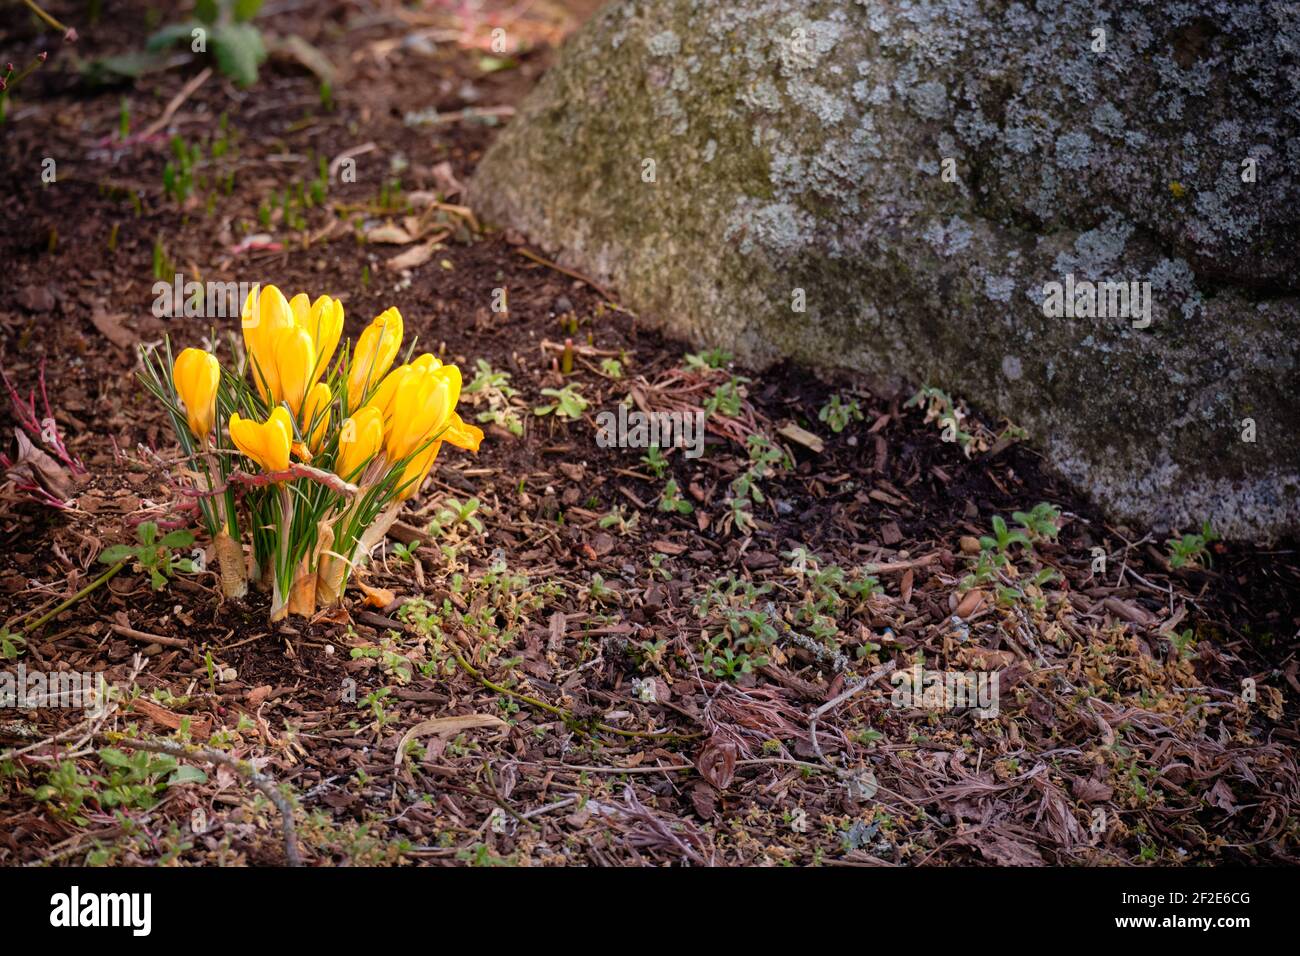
(418, 405)
(422, 404)
(455, 432)
(266, 443)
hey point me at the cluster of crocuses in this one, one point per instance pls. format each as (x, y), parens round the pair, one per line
(312, 452)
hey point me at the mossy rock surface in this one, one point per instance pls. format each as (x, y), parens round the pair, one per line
(798, 149)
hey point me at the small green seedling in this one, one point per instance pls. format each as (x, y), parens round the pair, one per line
(1002, 538)
(1192, 549)
(153, 554)
(405, 553)
(656, 461)
(672, 500)
(617, 518)
(11, 644)
(1184, 643)
(495, 387)
(568, 402)
(1040, 523)
(708, 361)
(839, 414)
(454, 512)
(726, 398)
(984, 572)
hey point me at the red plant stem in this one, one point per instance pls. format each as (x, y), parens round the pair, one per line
(26, 414)
(295, 470)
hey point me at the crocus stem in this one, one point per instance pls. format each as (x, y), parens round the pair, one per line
(219, 506)
(49, 20)
(283, 577)
(55, 612)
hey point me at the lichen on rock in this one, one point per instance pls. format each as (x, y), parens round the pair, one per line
(922, 172)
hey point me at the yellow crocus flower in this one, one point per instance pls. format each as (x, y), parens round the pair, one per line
(360, 437)
(266, 443)
(457, 433)
(316, 407)
(326, 327)
(323, 320)
(382, 398)
(376, 348)
(195, 376)
(294, 355)
(264, 317)
(422, 405)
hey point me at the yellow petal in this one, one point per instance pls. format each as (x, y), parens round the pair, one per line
(382, 397)
(295, 362)
(421, 405)
(316, 409)
(196, 375)
(451, 374)
(377, 346)
(325, 324)
(280, 439)
(265, 313)
(416, 470)
(266, 443)
(300, 306)
(462, 434)
(359, 438)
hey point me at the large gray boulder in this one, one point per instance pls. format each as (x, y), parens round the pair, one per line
(919, 173)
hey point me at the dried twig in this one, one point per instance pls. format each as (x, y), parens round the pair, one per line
(186, 92)
(857, 688)
(266, 785)
(529, 254)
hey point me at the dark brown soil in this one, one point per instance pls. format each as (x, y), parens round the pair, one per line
(1123, 734)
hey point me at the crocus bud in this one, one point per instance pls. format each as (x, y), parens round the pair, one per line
(195, 376)
(422, 406)
(266, 313)
(376, 348)
(360, 437)
(316, 415)
(295, 358)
